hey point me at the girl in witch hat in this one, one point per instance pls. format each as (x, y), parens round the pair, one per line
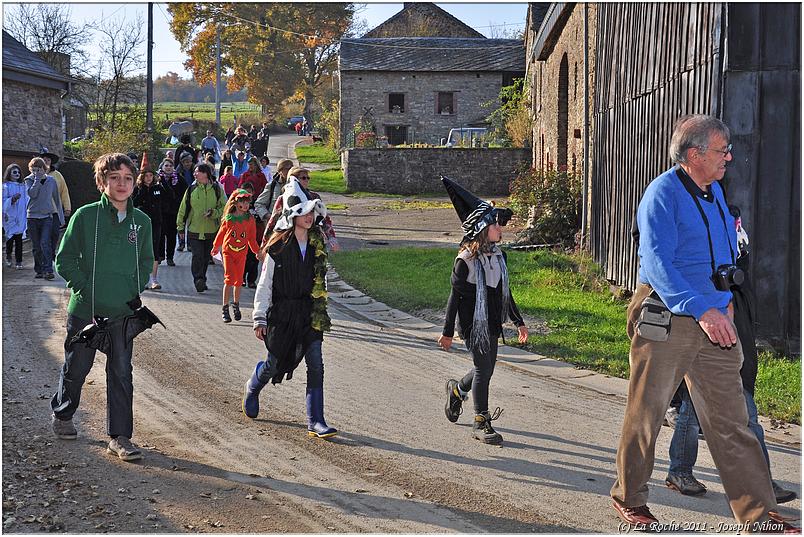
(290, 305)
(237, 234)
(482, 300)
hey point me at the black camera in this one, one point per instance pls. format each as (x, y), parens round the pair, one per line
(728, 276)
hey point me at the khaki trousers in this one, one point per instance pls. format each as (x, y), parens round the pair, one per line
(713, 378)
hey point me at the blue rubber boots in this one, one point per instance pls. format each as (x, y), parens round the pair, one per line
(251, 395)
(316, 426)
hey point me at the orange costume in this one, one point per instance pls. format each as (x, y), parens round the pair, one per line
(235, 235)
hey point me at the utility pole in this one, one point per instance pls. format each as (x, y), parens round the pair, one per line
(217, 75)
(149, 84)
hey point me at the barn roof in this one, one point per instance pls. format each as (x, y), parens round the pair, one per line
(432, 54)
(17, 57)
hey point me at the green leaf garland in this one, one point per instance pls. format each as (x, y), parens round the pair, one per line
(320, 317)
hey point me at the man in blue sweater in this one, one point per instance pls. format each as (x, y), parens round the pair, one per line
(688, 238)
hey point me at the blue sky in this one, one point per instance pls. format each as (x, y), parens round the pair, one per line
(168, 57)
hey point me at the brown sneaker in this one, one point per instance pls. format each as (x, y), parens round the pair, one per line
(123, 448)
(635, 516)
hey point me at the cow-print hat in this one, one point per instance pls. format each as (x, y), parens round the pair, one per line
(296, 203)
(475, 214)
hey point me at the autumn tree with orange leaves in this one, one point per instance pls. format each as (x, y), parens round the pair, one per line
(274, 50)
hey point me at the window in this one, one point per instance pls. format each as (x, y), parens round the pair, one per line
(445, 104)
(396, 103)
(397, 134)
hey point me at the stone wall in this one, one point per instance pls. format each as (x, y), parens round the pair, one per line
(31, 117)
(364, 89)
(417, 170)
(545, 94)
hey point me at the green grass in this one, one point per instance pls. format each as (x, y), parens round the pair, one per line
(586, 324)
(328, 181)
(778, 388)
(204, 111)
(337, 207)
(409, 205)
(361, 194)
(318, 154)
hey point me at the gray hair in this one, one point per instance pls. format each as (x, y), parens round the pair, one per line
(694, 131)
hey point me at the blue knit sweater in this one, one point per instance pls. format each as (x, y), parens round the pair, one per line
(673, 248)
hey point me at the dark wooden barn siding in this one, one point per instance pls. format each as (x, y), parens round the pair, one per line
(655, 62)
(761, 104)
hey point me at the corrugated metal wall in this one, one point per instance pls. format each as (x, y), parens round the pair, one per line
(655, 62)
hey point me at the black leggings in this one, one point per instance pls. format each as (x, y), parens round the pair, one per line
(478, 378)
(167, 239)
(15, 242)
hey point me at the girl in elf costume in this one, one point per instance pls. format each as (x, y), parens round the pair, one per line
(238, 232)
(290, 305)
(482, 300)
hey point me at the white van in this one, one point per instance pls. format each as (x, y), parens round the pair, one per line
(467, 137)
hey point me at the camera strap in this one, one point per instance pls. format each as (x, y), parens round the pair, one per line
(706, 222)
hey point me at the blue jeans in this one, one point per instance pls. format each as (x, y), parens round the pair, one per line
(684, 445)
(312, 357)
(41, 233)
(78, 360)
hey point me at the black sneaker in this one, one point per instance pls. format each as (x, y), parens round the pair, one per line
(783, 495)
(236, 311)
(39, 275)
(454, 406)
(170, 263)
(225, 314)
(482, 429)
(252, 285)
(200, 286)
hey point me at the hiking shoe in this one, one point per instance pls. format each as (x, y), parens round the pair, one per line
(236, 311)
(482, 429)
(19, 266)
(171, 263)
(50, 276)
(783, 495)
(64, 429)
(225, 314)
(686, 484)
(123, 448)
(454, 406)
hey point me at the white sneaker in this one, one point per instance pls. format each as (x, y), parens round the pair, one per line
(155, 285)
(670, 417)
(8, 262)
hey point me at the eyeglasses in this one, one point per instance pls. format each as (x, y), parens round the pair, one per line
(723, 152)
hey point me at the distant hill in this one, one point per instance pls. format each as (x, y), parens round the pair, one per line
(173, 88)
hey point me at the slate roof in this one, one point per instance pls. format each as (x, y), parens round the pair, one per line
(435, 19)
(17, 57)
(432, 54)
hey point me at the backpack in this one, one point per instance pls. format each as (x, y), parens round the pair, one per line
(215, 186)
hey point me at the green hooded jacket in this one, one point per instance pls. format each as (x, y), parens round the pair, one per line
(118, 244)
(203, 199)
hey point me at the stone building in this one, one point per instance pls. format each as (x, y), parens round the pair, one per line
(423, 19)
(33, 94)
(415, 89)
(554, 41)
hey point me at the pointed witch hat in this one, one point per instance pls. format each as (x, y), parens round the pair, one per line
(475, 214)
(145, 165)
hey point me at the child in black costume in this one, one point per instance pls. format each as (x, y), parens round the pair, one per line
(481, 309)
(290, 305)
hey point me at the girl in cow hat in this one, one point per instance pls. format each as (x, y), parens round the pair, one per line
(482, 300)
(290, 305)
(237, 234)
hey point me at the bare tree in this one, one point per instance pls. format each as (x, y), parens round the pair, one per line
(120, 57)
(48, 30)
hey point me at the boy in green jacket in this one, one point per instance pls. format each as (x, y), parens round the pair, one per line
(106, 256)
(201, 208)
